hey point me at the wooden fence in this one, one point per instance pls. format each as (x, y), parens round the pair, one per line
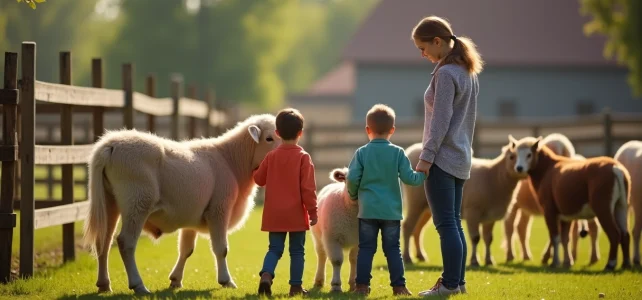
(592, 135)
(19, 128)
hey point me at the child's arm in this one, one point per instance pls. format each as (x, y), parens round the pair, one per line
(309, 187)
(406, 173)
(355, 170)
(260, 176)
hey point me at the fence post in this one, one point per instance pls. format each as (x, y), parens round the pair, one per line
(9, 101)
(27, 148)
(67, 139)
(150, 90)
(608, 132)
(177, 81)
(191, 125)
(128, 88)
(309, 140)
(97, 82)
(209, 100)
(536, 131)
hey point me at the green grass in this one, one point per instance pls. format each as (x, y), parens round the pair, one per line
(248, 246)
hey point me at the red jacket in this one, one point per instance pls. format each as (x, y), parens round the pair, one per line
(287, 173)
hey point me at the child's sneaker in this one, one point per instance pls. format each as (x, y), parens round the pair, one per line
(400, 291)
(362, 289)
(265, 285)
(440, 290)
(297, 290)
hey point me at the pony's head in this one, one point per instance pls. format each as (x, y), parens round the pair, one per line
(523, 153)
(262, 130)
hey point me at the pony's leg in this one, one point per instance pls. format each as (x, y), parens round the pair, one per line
(132, 227)
(186, 244)
(523, 233)
(487, 233)
(574, 236)
(637, 232)
(552, 223)
(319, 278)
(217, 220)
(353, 268)
(418, 235)
(593, 231)
(509, 228)
(607, 221)
(473, 231)
(621, 214)
(408, 229)
(565, 228)
(104, 283)
(335, 254)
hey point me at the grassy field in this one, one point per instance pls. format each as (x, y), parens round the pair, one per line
(247, 248)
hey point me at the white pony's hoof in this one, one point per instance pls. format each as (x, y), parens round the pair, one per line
(336, 289)
(229, 285)
(104, 289)
(175, 284)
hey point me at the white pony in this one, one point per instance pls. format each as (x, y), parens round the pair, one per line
(630, 155)
(160, 186)
(337, 230)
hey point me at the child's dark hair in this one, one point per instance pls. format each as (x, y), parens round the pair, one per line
(289, 122)
(464, 51)
(380, 119)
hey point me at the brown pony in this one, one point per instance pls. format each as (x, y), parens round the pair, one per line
(521, 212)
(569, 189)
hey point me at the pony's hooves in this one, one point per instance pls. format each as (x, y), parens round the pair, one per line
(104, 289)
(567, 265)
(489, 263)
(141, 290)
(175, 284)
(609, 268)
(422, 258)
(474, 264)
(626, 266)
(554, 265)
(336, 289)
(318, 284)
(510, 258)
(636, 262)
(593, 261)
(526, 258)
(229, 284)
(407, 261)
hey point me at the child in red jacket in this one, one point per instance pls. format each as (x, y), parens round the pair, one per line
(290, 205)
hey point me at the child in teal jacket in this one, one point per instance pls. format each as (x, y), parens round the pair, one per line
(373, 179)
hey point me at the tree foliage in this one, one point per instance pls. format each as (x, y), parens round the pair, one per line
(32, 3)
(621, 22)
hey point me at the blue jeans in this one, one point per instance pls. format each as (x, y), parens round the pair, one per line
(445, 193)
(275, 251)
(368, 233)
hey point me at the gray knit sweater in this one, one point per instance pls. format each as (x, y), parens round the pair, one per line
(451, 109)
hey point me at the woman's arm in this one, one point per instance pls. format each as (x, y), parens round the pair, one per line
(443, 110)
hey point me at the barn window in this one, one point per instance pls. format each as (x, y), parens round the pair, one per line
(507, 107)
(584, 107)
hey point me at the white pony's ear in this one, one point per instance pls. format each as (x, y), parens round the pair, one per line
(255, 132)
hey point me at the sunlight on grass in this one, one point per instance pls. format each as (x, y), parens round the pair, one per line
(248, 246)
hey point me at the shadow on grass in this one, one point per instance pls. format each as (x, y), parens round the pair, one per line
(439, 268)
(581, 269)
(167, 293)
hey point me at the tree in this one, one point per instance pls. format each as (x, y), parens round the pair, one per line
(32, 3)
(621, 22)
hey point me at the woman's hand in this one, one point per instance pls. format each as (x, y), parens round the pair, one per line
(423, 166)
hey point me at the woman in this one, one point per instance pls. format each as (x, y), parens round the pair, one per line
(450, 112)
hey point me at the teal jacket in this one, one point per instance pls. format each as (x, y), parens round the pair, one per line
(373, 179)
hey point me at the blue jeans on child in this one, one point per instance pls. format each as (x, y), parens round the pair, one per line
(445, 193)
(275, 251)
(368, 234)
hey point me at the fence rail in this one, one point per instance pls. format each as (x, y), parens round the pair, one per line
(64, 99)
(332, 146)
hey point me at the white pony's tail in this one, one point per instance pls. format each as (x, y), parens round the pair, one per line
(95, 229)
(621, 197)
